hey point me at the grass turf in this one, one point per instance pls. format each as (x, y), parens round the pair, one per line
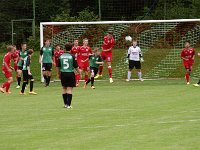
(149, 115)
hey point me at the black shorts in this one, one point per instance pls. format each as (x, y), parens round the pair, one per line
(95, 70)
(46, 66)
(68, 79)
(134, 64)
(19, 67)
(26, 76)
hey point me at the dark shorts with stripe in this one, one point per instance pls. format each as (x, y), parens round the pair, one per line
(134, 64)
(46, 66)
(26, 76)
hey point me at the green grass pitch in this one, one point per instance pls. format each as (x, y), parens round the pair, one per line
(149, 115)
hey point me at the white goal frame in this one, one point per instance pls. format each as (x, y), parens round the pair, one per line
(42, 24)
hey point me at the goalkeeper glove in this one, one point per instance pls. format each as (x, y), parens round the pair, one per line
(126, 61)
(141, 60)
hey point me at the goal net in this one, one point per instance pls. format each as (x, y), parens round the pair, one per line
(161, 42)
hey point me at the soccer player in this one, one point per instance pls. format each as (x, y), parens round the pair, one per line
(22, 54)
(135, 58)
(95, 61)
(27, 75)
(84, 53)
(106, 54)
(67, 65)
(187, 55)
(75, 51)
(57, 53)
(46, 58)
(7, 70)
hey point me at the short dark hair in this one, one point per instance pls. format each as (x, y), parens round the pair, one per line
(57, 45)
(110, 32)
(68, 46)
(30, 51)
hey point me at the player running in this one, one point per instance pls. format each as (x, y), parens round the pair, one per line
(75, 51)
(27, 75)
(22, 54)
(7, 70)
(135, 58)
(46, 58)
(106, 55)
(57, 53)
(83, 54)
(188, 55)
(95, 61)
(67, 64)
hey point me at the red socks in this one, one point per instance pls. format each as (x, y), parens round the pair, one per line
(187, 77)
(6, 85)
(86, 78)
(77, 78)
(110, 71)
(100, 70)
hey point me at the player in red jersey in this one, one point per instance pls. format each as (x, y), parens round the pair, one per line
(188, 55)
(57, 53)
(106, 54)
(83, 55)
(15, 57)
(75, 51)
(7, 69)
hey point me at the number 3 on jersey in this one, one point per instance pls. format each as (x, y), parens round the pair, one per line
(65, 64)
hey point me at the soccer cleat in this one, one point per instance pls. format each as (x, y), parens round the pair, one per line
(141, 79)
(127, 80)
(188, 83)
(33, 93)
(2, 90)
(92, 87)
(69, 107)
(98, 76)
(22, 93)
(111, 80)
(196, 85)
(77, 84)
(7, 92)
(65, 106)
(17, 87)
(85, 86)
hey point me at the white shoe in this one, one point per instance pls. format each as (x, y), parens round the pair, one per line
(141, 79)
(127, 80)
(188, 83)
(111, 80)
(69, 107)
(65, 106)
(197, 85)
(17, 87)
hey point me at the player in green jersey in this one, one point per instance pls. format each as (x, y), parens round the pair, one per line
(67, 65)
(46, 58)
(22, 54)
(95, 62)
(27, 75)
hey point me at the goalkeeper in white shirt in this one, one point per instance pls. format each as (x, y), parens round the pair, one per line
(134, 59)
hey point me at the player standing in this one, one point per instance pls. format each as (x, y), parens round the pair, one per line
(188, 55)
(57, 53)
(198, 83)
(46, 58)
(83, 54)
(67, 64)
(75, 51)
(27, 75)
(135, 58)
(22, 54)
(7, 69)
(95, 61)
(106, 54)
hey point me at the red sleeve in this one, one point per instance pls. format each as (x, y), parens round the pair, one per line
(182, 54)
(7, 59)
(105, 40)
(90, 50)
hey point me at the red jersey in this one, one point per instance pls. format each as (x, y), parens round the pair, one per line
(7, 59)
(84, 52)
(188, 54)
(108, 43)
(75, 51)
(57, 54)
(15, 56)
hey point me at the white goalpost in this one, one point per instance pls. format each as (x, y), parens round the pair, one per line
(153, 35)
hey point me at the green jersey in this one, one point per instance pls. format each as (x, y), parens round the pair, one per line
(22, 54)
(67, 63)
(47, 53)
(26, 63)
(94, 59)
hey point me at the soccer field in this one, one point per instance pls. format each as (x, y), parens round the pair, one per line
(149, 115)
